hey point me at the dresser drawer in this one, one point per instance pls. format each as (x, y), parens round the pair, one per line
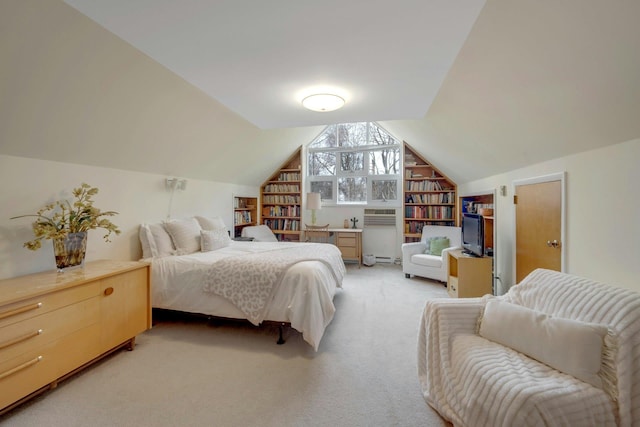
(348, 252)
(32, 307)
(35, 332)
(24, 374)
(346, 239)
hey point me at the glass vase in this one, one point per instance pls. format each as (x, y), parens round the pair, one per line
(70, 250)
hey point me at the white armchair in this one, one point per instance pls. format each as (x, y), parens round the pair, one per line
(415, 261)
(556, 349)
(260, 233)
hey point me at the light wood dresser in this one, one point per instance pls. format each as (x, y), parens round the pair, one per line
(52, 324)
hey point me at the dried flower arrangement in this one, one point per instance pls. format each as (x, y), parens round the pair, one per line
(57, 220)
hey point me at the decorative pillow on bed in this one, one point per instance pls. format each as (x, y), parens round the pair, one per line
(162, 240)
(149, 249)
(185, 234)
(211, 240)
(212, 223)
(570, 346)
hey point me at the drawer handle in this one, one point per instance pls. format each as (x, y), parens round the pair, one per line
(20, 310)
(108, 291)
(20, 367)
(20, 338)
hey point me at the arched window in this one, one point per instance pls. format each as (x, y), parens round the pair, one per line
(355, 163)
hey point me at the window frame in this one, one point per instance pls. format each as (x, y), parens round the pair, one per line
(367, 151)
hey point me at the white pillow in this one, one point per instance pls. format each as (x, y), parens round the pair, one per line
(570, 346)
(211, 240)
(149, 249)
(163, 243)
(212, 223)
(185, 234)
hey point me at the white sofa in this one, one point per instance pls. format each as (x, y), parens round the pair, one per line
(415, 261)
(586, 333)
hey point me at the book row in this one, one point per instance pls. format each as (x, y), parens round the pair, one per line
(429, 212)
(289, 176)
(281, 188)
(408, 173)
(243, 217)
(285, 200)
(431, 198)
(423, 186)
(281, 211)
(283, 224)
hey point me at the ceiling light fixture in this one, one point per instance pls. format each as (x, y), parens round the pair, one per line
(323, 102)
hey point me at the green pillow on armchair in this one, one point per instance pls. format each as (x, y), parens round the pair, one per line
(438, 245)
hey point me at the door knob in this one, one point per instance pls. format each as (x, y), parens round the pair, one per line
(553, 244)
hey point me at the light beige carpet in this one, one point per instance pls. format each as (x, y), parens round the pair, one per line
(193, 372)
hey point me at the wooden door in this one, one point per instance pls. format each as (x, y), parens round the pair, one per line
(538, 227)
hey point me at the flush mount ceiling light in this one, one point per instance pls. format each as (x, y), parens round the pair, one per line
(323, 102)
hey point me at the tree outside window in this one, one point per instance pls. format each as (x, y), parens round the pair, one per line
(355, 163)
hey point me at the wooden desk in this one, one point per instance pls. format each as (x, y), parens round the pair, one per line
(349, 241)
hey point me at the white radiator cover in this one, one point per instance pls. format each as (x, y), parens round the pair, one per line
(379, 234)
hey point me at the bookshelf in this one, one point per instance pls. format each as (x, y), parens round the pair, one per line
(482, 204)
(429, 196)
(245, 212)
(281, 199)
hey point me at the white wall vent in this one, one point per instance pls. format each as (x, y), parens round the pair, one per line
(379, 217)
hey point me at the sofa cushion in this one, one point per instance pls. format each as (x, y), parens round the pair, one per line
(570, 346)
(438, 245)
(426, 260)
(427, 242)
(494, 385)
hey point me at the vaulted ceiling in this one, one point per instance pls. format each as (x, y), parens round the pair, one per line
(478, 88)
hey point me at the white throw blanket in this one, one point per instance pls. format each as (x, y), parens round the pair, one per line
(472, 381)
(249, 281)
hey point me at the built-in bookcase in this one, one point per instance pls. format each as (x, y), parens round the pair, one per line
(282, 198)
(245, 213)
(429, 196)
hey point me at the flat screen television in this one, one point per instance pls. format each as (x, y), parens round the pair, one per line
(473, 234)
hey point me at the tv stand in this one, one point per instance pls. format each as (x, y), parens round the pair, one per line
(469, 276)
(469, 254)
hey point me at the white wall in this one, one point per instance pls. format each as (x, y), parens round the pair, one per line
(603, 201)
(138, 197)
(602, 214)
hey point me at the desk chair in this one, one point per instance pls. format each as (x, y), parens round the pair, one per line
(317, 233)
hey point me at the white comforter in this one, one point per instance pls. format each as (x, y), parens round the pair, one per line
(304, 297)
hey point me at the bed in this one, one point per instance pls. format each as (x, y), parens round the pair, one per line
(215, 276)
